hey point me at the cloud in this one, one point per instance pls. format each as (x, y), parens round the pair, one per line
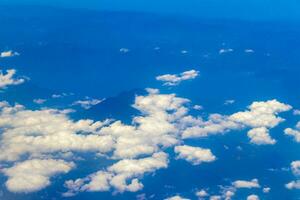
(177, 197)
(246, 184)
(249, 51)
(294, 132)
(260, 116)
(296, 112)
(197, 107)
(293, 185)
(215, 197)
(266, 190)
(7, 79)
(202, 193)
(39, 101)
(260, 136)
(194, 155)
(37, 132)
(229, 101)
(122, 176)
(10, 53)
(88, 103)
(223, 51)
(252, 197)
(124, 50)
(175, 79)
(135, 149)
(62, 95)
(295, 167)
(184, 51)
(33, 175)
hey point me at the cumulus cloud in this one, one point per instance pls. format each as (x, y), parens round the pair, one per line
(293, 185)
(260, 116)
(296, 112)
(122, 176)
(295, 133)
(194, 155)
(175, 79)
(246, 184)
(7, 79)
(137, 147)
(33, 175)
(266, 190)
(260, 136)
(198, 107)
(88, 103)
(10, 53)
(177, 197)
(202, 193)
(252, 197)
(295, 167)
(215, 197)
(37, 132)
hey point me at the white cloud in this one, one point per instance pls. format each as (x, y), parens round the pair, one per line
(33, 175)
(228, 195)
(88, 103)
(7, 78)
(296, 112)
(266, 190)
(260, 136)
(10, 53)
(46, 131)
(122, 176)
(137, 147)
(215, 124)
(249, 51)
(62, 95)
(294, 132)
(124, 50)
(260, 116)
(215, 197)
(293, 185)
(252, 197)
(198, 107)
(223, 51)
(175, 79)
(295, 166)
(229, 101)
(177, 197)
(194, 155)
(39, 101)
(201, 193)
(246, 184)
(184, 51)
(40, 133)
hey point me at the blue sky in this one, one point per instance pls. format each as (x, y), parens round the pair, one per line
(247, 9)
(99, 101)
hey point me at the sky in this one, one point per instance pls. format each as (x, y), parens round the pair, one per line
(232, 9)
(149, 101)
